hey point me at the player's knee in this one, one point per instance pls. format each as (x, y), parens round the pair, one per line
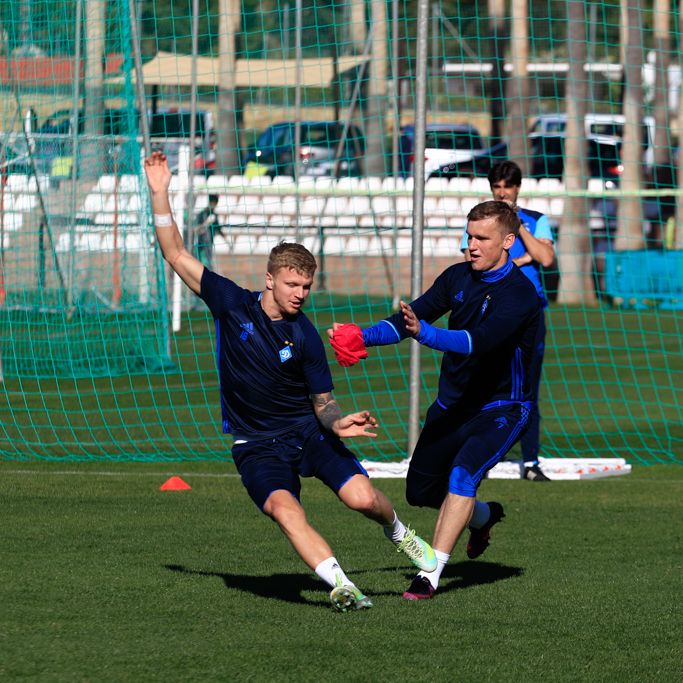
(423, 493)
(462, 483)
(414, 497)
(358, 494)
(285, 510)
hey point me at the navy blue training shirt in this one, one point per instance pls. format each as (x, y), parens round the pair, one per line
(500, 311)
(268, 369)
(538, 225)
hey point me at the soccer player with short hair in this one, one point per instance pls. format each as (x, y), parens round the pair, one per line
(534, 248)
(276, 398)
(484, 395)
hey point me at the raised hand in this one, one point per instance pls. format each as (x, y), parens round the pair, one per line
(347, 342)
(411, 321)
(157, 172)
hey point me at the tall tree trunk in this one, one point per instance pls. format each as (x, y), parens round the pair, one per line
(376, 106)
(518, 87)
(91, 150)
(495, 86)
(678, 225)
(357, 25)
(630, 219)
(227, 139)
(576, 284)
(660, 105)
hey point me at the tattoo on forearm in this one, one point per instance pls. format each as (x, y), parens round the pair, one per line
(326, 409)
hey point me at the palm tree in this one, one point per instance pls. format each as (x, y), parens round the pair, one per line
(93, 83)
(660, 106)
(678, 237)
(576, 286)
(661, 172)
(630, 213)
(357, 27)
(375, 111)
(518, 89)
(496, 83)
(227, 147)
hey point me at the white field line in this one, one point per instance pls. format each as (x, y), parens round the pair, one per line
(70, 473)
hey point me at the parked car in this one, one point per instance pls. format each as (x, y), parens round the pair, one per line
(170, 129)
(445, 143)
(15, 159)
(53, 138)
(607, 127)
(603, 156)
(117, 121)
(273, 152)
(546, 159)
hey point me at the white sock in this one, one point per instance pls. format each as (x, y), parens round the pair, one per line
(442, 561)
(332, 574)
(480, 515)
(396, 530)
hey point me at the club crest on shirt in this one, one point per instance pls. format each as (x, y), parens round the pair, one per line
(460, 296)
(485, 305)
(286, 352)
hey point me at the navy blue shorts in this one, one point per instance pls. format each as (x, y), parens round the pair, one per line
(272, 464)
(454, 452)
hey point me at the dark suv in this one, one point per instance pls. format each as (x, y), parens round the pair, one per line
(274, 149)
(120, 128)
(170, 130)
(546, 159)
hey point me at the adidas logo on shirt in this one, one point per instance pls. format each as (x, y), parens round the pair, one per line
(247, 329)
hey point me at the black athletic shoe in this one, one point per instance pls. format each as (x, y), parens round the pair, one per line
(420, 589)
(479, 538)
(534, 473)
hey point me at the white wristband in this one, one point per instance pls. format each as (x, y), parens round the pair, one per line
(163, 220)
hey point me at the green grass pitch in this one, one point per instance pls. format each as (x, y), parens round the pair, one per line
(105, 578)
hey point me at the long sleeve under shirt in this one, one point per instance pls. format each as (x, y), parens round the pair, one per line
(498, 315)
(539, 226)
(268, 369)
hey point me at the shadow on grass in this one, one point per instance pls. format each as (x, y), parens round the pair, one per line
(289, 587)
(461, 575)
(285, 587)
(466, 574)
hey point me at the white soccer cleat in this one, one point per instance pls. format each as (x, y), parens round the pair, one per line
(421, 554)
(348, 598)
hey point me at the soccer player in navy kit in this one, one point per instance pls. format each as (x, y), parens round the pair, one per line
(276, 398)
(534, 248)
(484, 395)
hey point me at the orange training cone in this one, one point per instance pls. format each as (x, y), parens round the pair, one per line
(175, 484)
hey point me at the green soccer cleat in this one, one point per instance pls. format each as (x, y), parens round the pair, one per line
(418, 550)
(348, 598)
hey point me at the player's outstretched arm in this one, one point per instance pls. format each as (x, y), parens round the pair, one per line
(329, 415)
(458, 341)
(170, 241)
(347, 342)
